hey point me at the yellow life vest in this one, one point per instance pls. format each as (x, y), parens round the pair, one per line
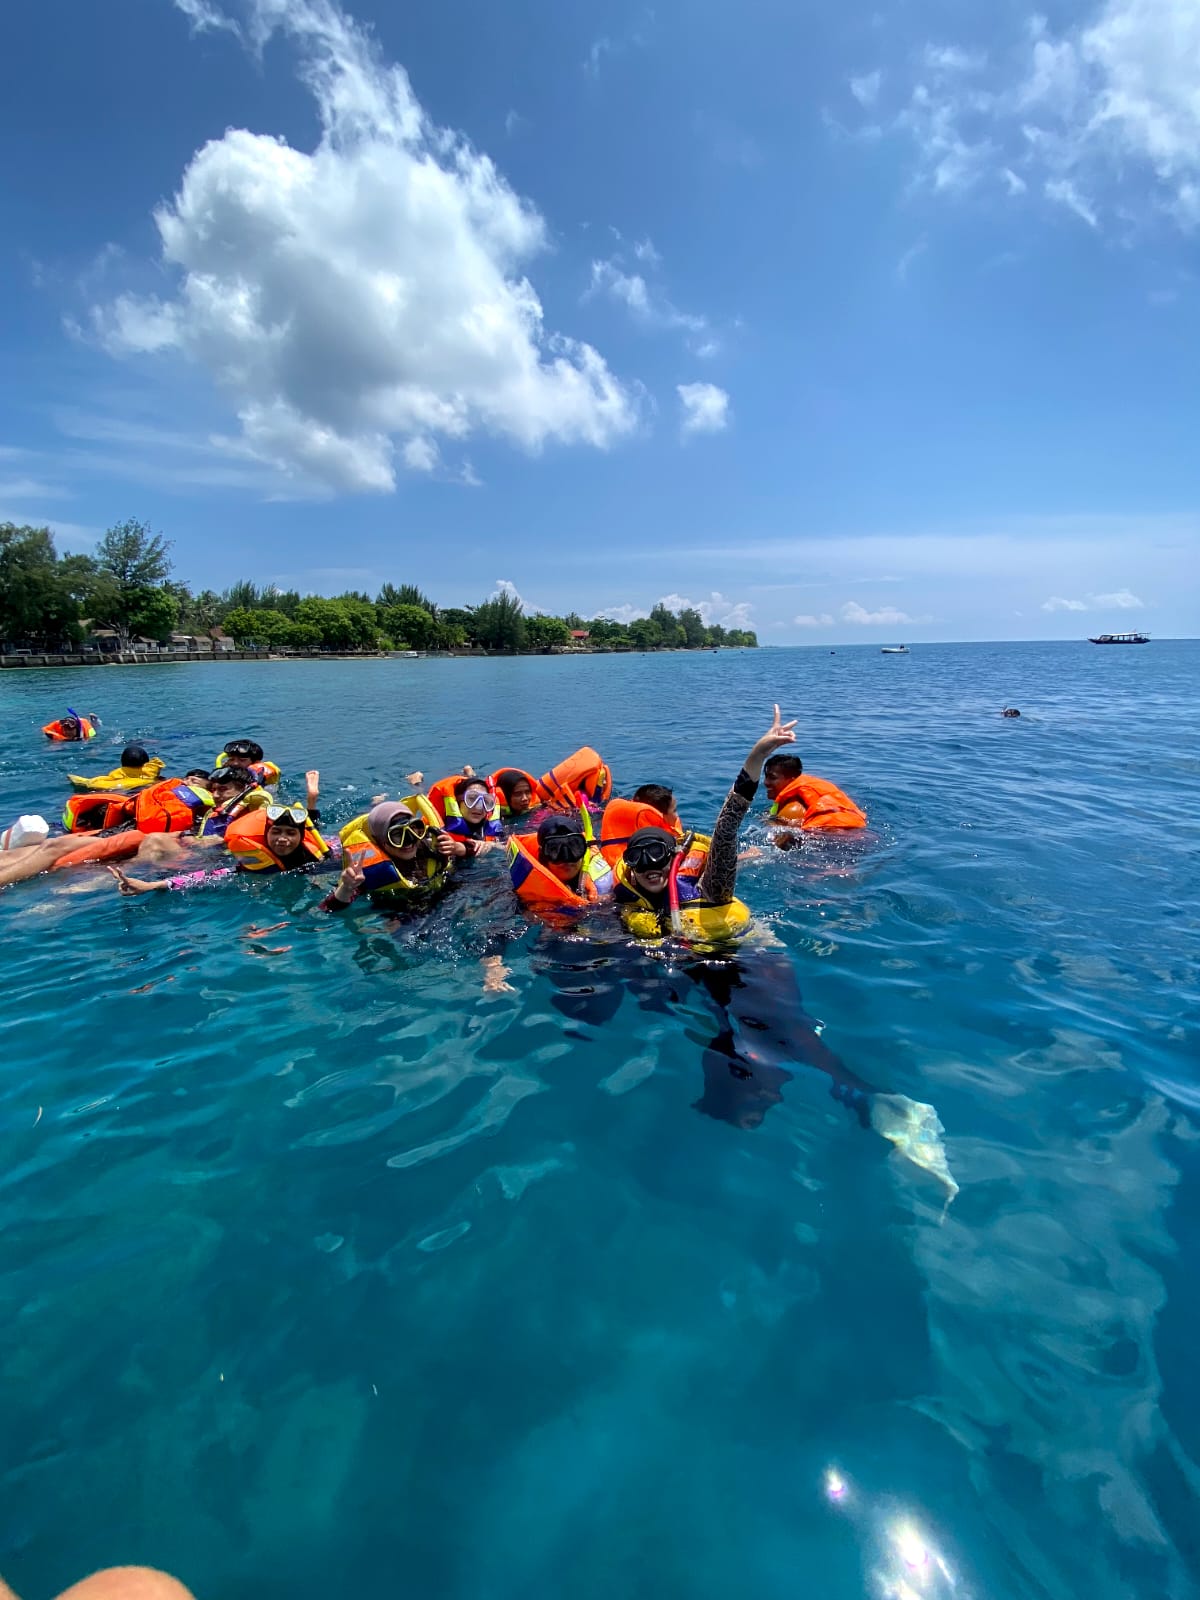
(129, 779)
(698, 923)
(382, 877)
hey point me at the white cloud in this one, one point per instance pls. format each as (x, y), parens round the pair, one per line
(513, 121)
(600, 48)
(623, 613)
(718, 608)
(1118, 600)
(866, 89)
(886, 616)
(809, 621)
(705, 408)
(420, 454)
(648, 306)
(1064, 192)
(206, 18)
(644, 251)
(1102, 116)
(370, 290)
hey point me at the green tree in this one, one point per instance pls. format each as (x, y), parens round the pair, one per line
(459, 619)
(412, 627)
(499, 624)
(258, 625)
(37, 605)
(695, 633)
(405, 594)
(645, 634)
(151, 612)
(604, 630)
(542, 632)
(136, 562)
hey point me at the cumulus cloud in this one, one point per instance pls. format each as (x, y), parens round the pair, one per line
(623, 613)
(717, 609)
(1118, 600)
(705, 408)
(366, 293)
(1102, 117)
(420, 454)
(886, 616)
(807, 620)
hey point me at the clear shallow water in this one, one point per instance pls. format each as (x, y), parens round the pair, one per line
(320, 1272)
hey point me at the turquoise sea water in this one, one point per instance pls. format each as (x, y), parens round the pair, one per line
(322, 1273)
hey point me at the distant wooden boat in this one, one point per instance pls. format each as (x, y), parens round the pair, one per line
(1121, 638)
(894, 650)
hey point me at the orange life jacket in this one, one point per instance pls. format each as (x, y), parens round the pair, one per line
(170, 807)
(247, 840)
(499, 792)
(622, 819)
(815, 805)
(536, 885)
(85, 813)
(55, 730)
(113, 848)
(581, 774)
(441, 798)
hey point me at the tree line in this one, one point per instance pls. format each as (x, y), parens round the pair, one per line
(50, 602)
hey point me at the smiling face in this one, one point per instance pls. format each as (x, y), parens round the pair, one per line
(652, 881)
(476, 803)
(284, 838)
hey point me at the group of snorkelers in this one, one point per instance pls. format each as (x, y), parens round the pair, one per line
(570, 843)
(571, 846)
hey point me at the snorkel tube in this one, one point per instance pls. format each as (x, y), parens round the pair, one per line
(673, 887)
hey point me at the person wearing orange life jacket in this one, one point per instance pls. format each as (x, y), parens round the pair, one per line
(799, 800)
(72, 728)
(652, 806)
(559, 868)
(274, 838)
(470, 812)
(583, 775)
(517, 792)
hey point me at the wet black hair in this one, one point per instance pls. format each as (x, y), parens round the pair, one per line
(656, 795)
(508, 780)
(197, 772)
(244, 750)
(134, 755)
(242, 776)
(785, 766)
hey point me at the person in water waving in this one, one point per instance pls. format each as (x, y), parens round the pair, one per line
(397, 854)
(664, 886)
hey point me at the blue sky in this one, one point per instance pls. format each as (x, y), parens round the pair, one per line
(854, 328)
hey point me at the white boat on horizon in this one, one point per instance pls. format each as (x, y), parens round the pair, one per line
(894, 650)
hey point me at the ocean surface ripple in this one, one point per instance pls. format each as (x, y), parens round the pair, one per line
(323, 1272)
